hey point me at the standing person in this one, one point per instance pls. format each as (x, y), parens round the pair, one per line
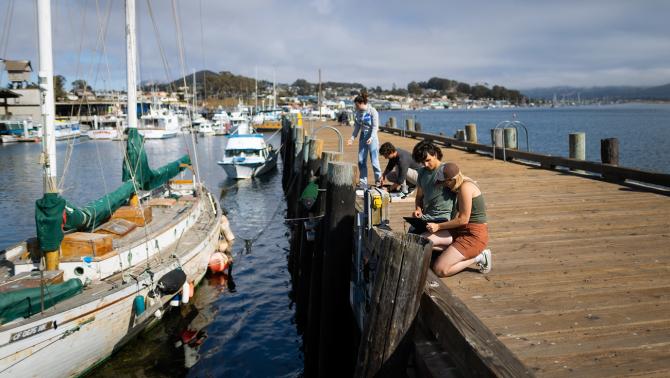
(432, 202)
(401, 168)
(466, 235)
(366, 121)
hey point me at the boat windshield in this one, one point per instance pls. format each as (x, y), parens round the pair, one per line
(242, 152)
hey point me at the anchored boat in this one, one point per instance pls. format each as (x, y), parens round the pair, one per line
(247, 155)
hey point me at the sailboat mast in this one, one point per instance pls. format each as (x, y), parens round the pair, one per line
(47, 91)
(131, 64)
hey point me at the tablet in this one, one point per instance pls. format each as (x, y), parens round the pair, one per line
(419, 224)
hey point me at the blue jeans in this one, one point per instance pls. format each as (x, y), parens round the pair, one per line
(373, 150)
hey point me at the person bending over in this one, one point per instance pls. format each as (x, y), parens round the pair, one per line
(463, 238)
(401, 169)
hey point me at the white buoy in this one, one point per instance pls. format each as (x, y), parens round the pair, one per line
(158, 314)
(185, 291)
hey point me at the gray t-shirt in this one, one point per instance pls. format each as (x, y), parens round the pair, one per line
(438, 202)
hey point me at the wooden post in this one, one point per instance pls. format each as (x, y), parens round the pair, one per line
(311, 335)
(511, 138)
(399, 280)
(409, 124)
(609, 151)
(577, 147)
(393, 123)
(497, 137)
(471, 132)
(337, 323)
(417, 126)
(460, 135)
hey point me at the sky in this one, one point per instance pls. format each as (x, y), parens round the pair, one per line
(519, 44)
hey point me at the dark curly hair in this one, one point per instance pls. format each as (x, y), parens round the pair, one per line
(386, 149)
(423, 148)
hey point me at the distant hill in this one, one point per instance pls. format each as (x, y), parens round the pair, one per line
(661, 92)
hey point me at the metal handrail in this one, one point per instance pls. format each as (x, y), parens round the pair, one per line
(340, 142)
(505, 124)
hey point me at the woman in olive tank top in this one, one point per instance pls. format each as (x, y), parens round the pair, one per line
(464, 237)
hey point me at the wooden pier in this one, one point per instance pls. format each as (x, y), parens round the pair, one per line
(580, 284)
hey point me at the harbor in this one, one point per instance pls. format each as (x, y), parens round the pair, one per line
(209, 189)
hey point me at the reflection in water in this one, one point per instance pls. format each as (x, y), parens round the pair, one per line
(242, 327)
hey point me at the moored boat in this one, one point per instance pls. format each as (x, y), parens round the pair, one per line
(247, 156)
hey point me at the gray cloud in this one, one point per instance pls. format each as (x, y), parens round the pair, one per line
(514, 43)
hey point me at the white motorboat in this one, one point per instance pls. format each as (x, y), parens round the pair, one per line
(107, 128)
(222, 125)
(159, 123)
(203, 126)
(67, 130)
(247, 156)
(240, 124)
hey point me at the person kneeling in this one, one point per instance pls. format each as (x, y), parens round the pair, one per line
(401, 170)
(463, 238)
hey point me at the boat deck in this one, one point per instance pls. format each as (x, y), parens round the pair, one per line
(581, 267)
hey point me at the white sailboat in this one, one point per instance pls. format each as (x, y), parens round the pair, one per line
(118, 274)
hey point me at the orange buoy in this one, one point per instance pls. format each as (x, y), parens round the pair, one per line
(191, 286)
(218, 262)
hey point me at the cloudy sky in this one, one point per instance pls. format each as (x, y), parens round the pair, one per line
(519, 44)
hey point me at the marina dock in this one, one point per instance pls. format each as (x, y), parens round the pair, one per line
(581, 269)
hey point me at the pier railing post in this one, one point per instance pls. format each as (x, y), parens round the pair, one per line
(336, 347)
(577, 147)
(609, 154)
(471, 134)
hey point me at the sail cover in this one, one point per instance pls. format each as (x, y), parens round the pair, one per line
(54, 215)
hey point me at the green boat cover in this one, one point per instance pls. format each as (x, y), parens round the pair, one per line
(24, 303)
(137, 165)
(49, 209)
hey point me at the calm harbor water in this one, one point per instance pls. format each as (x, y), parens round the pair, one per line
(643, 129)
(244, 325)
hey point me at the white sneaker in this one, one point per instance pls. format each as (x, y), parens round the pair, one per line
(486, 263)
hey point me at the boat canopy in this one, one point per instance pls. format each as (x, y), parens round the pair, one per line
(246, 142)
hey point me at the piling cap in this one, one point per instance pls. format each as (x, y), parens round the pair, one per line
(449, 171)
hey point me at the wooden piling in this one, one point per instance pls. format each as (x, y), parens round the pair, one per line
(312, 328)
(418, 127)
(393, 123)
(409, 124)
(609, 151)
(577, 146)
(335, 339)
(399, 280)
(471, 132)
(511, 138)
(497, 138)
(460, 135)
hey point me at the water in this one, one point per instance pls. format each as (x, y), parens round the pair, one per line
(643, 129)
(244, 327)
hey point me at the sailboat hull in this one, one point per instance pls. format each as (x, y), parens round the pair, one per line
(83, 331)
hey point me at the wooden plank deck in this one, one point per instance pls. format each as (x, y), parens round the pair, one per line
(581, 268)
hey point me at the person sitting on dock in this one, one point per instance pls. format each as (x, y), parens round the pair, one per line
(367, 122)
(463, 238)
(432, 202)
(401, 169)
